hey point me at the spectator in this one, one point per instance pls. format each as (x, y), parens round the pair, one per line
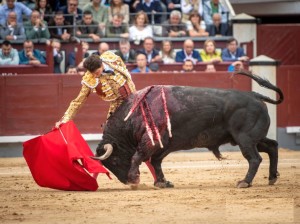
(149, 50)
(235, 66)
(189, 6)
(151, 7)
(72, 70)
(118, 7)
(127, 55)
(29, 3)
(233, 52)
(210, 68)
(167, 53)
(141, 63)
(102, 48)
(88, 28)
(36, 28)
(11, 30)
(19, 8)
(188, 66)
(132, 5)
(99, 11)
(59, 28)
(117, 28)
(30, 56)
(140, 30)
(154, 67)
(188, 52)
(72, 13)
(172, 5)
(217, 28)
(72, 55)
(209, 52)
(44, 9)
(174, 27)
(195, 26)
(8, 55)
(210, 8)
(57, 55)
(56, 5)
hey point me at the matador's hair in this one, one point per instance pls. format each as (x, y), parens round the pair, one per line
(92, 63)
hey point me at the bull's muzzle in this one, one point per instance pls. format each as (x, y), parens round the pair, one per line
(108, 151)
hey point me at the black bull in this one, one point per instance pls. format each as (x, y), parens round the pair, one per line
(199, 117)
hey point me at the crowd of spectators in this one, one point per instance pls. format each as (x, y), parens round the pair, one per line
(131, 22)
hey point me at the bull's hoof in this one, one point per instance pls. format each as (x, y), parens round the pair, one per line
(242, 184)
(133, 178)
(273, 180)
(164, 184)
(134, 181)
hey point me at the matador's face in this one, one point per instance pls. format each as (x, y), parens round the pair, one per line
(98, 72)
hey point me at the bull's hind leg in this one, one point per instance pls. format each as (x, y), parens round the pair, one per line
(250, 152)
(270, 147)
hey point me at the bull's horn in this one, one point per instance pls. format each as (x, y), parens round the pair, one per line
(109, 149)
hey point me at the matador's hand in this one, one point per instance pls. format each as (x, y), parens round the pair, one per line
(58, 124)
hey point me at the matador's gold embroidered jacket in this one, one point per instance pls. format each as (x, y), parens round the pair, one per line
(107, 86)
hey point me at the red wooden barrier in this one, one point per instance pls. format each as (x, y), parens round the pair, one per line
(31, 104)
(280, 42)
(288, 80)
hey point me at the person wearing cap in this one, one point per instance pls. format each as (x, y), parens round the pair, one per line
(106, 75)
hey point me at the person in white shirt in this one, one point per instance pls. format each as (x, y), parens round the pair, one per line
(167, 53)
(140, 30)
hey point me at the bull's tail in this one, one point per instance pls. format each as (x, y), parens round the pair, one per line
(264, 83)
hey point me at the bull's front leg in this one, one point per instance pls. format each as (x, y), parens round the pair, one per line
(160, 180)
(134, 172)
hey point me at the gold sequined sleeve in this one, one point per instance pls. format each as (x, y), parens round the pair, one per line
(76, 104)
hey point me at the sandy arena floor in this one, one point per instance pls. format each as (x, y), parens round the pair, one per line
(204, 193)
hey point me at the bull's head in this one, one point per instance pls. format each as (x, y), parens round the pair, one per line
(116, 160)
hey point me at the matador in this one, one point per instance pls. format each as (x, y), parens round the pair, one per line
(107, 76)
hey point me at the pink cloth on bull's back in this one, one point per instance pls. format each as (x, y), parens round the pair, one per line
(53, 160)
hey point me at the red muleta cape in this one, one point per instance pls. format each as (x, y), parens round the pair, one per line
(60, 159)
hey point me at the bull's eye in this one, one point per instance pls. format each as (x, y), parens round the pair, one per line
(115, 161)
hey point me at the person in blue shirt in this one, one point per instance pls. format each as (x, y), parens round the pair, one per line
(235, 66)
(188, 52)
(19, 8)
(30, 56)
(141, 62)
(8, 55)
(233, 52)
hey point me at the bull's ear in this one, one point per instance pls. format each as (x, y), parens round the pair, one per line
(108, 151)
